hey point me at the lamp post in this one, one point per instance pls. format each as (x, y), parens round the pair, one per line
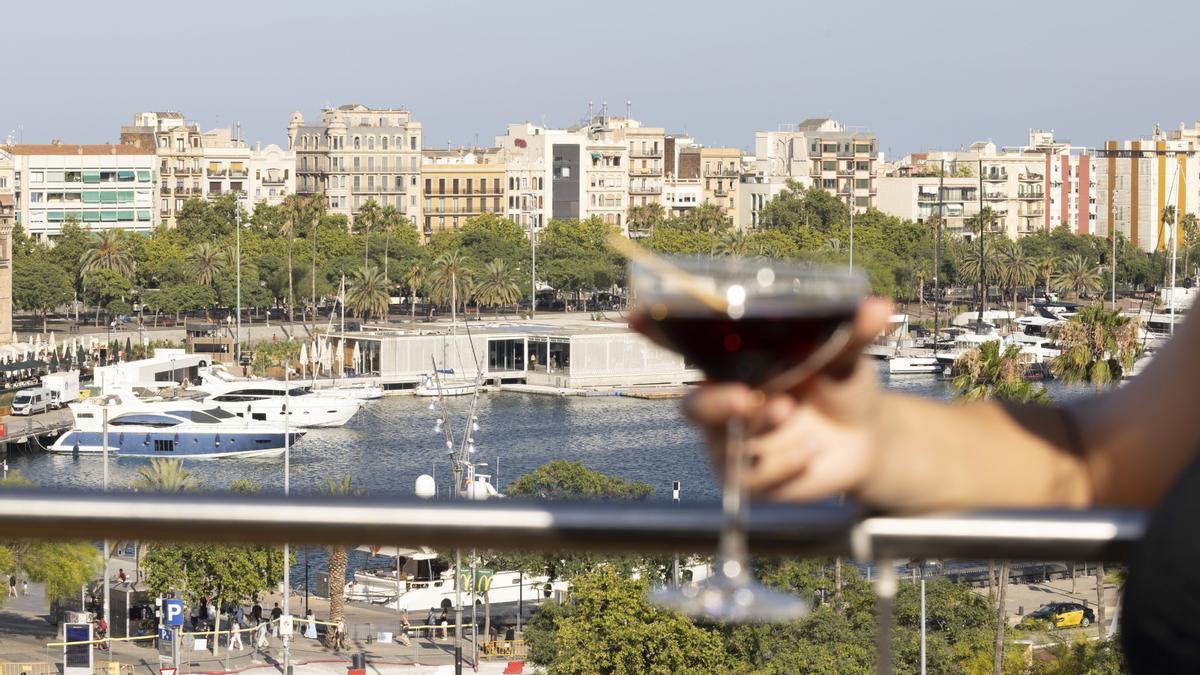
(1112, 234)
(237, 220)
(532, 255)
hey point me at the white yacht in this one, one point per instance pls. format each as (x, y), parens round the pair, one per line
(441, 386)
(266, 400)
(163, 427)
(361, 391)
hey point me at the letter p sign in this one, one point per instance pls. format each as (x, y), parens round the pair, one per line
(172, 612)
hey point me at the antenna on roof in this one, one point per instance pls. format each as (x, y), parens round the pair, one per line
(628, 108)
(589, 116)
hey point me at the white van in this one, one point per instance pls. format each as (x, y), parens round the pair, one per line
(32, 401)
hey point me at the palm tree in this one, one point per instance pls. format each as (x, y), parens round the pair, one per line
(390, 219)
(1016, 268)
(979, 262)
(1191, 231)
(498, 286)
(293, 209)
(1098, 345)
(988, 373)
(336, 567)
(451, 280)
(207, 262)
(368, 215)
(1079, 275)
(414, 277)
(643, 219)
(315, 209)
(107, 251)
(367, 293)
(1046, 266)
(165, 474)
(732, 244)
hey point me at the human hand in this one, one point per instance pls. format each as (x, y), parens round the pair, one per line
(813, 441)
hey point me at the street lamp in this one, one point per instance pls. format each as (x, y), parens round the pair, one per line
(108, 350)
(1112, 233)
(532, 255)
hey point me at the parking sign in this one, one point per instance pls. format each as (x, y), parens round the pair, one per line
(172, 612)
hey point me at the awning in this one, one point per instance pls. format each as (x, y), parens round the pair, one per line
(22, 365)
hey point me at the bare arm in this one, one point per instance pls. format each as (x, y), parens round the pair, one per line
(843, 434)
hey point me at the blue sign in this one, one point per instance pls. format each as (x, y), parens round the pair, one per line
(172, 612)
(165, 634)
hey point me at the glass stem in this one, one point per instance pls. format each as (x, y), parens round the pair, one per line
(732, 559)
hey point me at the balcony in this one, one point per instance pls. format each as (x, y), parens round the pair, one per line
(197, 191)
(164, 190)
(645, 189)
(1031, 177)
(239, 174)
(652, 153)
(1024, 194)
(994, 196)
(995, 176)
(648, 171)
(217, 173)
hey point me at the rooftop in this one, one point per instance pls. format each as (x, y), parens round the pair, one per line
(69, 149)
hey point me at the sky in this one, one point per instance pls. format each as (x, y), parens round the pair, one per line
(921, 75)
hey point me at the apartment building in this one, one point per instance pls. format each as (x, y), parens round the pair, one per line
(1137, 179)
(102, 186)
(647, 146)
(1031, 188)
(720, 173)
(818, 152)
(461, 184)
(683, 189)
(272, 175)
(7, 221)
(523, 151)
(177, 144)
(922, 197)
(355, 153)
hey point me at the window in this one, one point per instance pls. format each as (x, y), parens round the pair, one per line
(441, 186)
(356, 163)
(370, 164)
(357, 143)
(179, 144)
(383, 143)
(428, 188)
(370, 142)
(36, 176)
(356, 183)
(370, 182)
(454, 182)
(412, 145)
(400, 183)
(829, 166)
(383, 162)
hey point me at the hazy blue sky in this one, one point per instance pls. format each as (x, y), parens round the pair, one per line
(920, 74)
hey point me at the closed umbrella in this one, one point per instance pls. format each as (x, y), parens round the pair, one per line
(357, 358)
(303, 358)
(53, 345)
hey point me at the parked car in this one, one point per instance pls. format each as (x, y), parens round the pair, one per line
(33, 401)
(1060, 615)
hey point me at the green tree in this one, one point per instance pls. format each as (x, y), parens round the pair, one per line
(1190, 225)
(645, 218)
(497, 285)
(1046, 266)
(1078, 275)
(165, 474)
(573, 256)
(314, 211)
(108, 250)
(565, 479)
(107, 288)
(207, 261)
(40, 286)
(414, 278)
(367, 294)
(1017, 269)
(451, 280)
(796, 208)
(336, 566)
(988, 373)
(63, 566)
(609, 627)
(1098, 345)
(368, 217)
(294, 208)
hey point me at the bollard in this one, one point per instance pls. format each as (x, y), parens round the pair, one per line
(1020, 610)
(358, 664)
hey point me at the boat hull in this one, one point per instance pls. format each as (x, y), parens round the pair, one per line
(165, 443)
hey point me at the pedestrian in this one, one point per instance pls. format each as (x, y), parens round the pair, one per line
(256, 612)
(260, 639)
(404, 626)
(121, 578)
(235, 634)
(24, 587)
(12, 585)
(276, 613)
(212, 613)
(310, 626)
(195, 616)
(445, 624)
(240, 615)
(431, 620)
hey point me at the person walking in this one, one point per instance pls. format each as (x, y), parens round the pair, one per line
(12, 585)
(276, 613)
(404, 626)
(25, 587)
(310, 625)
(260, 639)
(256, 612)
(431, 620)
(444, 622)
(235, 634)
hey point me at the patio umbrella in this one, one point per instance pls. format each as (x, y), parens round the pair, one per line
(357, 358)
(128, 348)
(303, 358)
(80, 356)
(53, 345)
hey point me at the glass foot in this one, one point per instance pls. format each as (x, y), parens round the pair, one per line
(731, 600)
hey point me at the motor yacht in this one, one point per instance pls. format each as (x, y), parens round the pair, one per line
(167, 428)
(271, 400)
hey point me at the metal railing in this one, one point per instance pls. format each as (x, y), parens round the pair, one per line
(815, 529)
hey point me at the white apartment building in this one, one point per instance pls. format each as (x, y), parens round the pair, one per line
(356, 153)
(102, 186)
(917, 198)
(818, 152)
(177, 145)
(527, 161)
(1137, 179)
(272, 174)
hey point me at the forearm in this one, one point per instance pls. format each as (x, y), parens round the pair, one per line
(934, 456)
